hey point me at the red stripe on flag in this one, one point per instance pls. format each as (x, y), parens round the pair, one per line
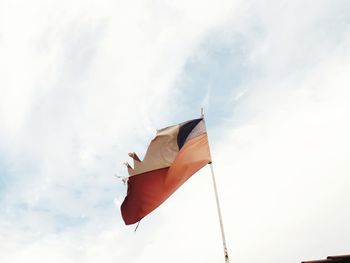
(145, 193)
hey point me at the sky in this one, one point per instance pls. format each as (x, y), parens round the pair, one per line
(82, 83)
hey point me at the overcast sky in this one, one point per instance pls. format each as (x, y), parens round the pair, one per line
(82, 83)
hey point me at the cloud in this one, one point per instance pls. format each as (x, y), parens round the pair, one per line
(82, 82)
(281, 157)
(289, 169)
(85, 83)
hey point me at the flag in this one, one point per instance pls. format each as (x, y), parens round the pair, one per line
(173, 156)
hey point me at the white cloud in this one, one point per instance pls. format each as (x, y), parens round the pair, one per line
(289, 171)
(83, 80)
(283, 170)
(80, 81)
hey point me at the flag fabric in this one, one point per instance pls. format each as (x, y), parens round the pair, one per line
(173, 156)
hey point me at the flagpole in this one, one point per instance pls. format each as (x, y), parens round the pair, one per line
(218, 206)
(219, 213)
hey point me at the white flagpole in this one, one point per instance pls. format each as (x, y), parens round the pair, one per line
(218, 207)
(219, 213)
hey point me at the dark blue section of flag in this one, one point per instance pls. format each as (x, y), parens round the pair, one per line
(185, 130)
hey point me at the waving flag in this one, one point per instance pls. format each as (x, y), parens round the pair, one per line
(173, 156)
